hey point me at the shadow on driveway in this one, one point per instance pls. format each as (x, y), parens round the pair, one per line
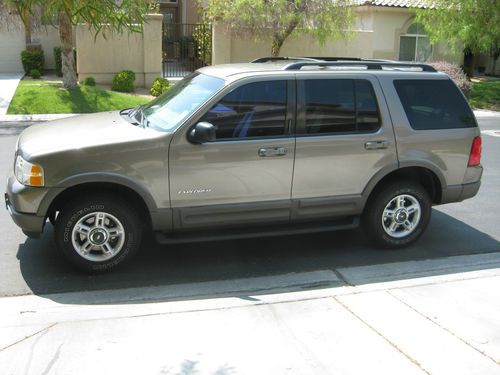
(46, 272)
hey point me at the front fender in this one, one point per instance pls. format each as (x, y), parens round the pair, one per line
(102, 177)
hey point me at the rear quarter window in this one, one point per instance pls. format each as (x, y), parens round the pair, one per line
(434, 104)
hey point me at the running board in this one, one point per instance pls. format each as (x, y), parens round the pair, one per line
(218, 234)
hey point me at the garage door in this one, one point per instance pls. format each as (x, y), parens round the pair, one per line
(11, 44)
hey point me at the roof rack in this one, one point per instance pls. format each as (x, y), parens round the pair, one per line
(283, 58)
(326, 61)
(370, 65)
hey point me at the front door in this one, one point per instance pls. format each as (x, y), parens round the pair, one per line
(344, 138)
(245, 175)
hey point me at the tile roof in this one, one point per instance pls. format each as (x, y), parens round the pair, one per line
(395, 3)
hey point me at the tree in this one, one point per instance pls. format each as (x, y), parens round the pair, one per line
(472, 24)
(117, 15)
(279, 19)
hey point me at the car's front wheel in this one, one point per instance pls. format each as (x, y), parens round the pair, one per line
(397, 214)
(98, 233)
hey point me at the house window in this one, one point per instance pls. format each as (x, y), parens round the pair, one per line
(415, 45)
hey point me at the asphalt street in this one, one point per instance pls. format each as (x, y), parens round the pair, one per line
(35, 267)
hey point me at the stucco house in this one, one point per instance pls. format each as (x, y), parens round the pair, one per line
(13, 38)
(384, 29)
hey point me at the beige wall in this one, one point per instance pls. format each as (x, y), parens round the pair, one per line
(12, 43)
(190, 12)
(388, 25)
(103, 57)
(229, 49)
(48, 37)
(486, 61)
(377, 35)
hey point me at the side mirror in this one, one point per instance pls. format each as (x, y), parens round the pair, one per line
(202, 132)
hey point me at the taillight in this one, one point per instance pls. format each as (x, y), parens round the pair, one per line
(475, 152)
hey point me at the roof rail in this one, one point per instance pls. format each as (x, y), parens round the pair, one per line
(369, 64)
(283, 58)
(314, 58)
(336, 58)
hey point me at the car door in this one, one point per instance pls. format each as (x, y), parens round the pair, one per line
(344, 138)
(244, 176)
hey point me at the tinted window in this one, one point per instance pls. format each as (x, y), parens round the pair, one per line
(329, 106)
(340, 106)
(368, 119)
(253, 110)
(434, 104)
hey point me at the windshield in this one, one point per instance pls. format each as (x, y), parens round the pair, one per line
(175, 105)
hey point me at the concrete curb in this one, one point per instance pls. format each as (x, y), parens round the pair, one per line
(41, 117)
(270, 289)
(486, 113)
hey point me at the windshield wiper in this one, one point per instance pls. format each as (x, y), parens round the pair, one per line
(133, 112)
(144, 120)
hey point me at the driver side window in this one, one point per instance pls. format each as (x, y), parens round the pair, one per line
(253, 110)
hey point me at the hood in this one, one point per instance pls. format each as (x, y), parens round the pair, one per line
(81, 132)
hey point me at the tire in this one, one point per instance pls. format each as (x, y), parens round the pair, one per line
(397, 214)
(98, 233)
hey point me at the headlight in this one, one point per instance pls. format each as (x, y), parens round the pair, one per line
(27, 173)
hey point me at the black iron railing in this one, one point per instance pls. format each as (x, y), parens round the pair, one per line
(186, 47)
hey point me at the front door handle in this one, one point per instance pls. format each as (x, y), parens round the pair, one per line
(272, 151)
(376, 145)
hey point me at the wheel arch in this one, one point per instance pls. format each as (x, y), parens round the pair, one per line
(428, 177)
(138, 201)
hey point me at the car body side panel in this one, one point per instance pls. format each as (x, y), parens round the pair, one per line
(447, 150)
(99, 148)
(230, 175)
(339, 165)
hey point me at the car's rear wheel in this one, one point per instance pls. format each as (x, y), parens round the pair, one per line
(98, 233)
(397, 214)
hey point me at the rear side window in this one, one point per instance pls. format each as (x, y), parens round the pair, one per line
(368, 119)
(252, 110)
(339, 106)
(434, 104)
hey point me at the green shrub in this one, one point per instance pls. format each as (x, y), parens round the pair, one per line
(202, 35)
(35, 73)
(159, 86)
(32, 58)
(89, 81)
(58, 60)
(123, 81)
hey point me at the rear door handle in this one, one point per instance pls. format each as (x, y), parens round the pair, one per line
(272, 151)
(376, 145)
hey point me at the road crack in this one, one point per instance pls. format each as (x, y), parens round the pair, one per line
(411, 359)
(442, 327)
(28, 337)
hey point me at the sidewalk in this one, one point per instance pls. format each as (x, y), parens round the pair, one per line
(422, 317)
(9, 82)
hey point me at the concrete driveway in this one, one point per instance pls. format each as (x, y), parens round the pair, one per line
(8, 86)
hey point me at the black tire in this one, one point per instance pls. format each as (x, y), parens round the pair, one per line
(111, 210)
(374, 224)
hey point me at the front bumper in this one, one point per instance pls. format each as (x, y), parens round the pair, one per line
(31, 224)
(23, 204)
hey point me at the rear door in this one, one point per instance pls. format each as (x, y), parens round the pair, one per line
(245, 175)
(344, 138)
